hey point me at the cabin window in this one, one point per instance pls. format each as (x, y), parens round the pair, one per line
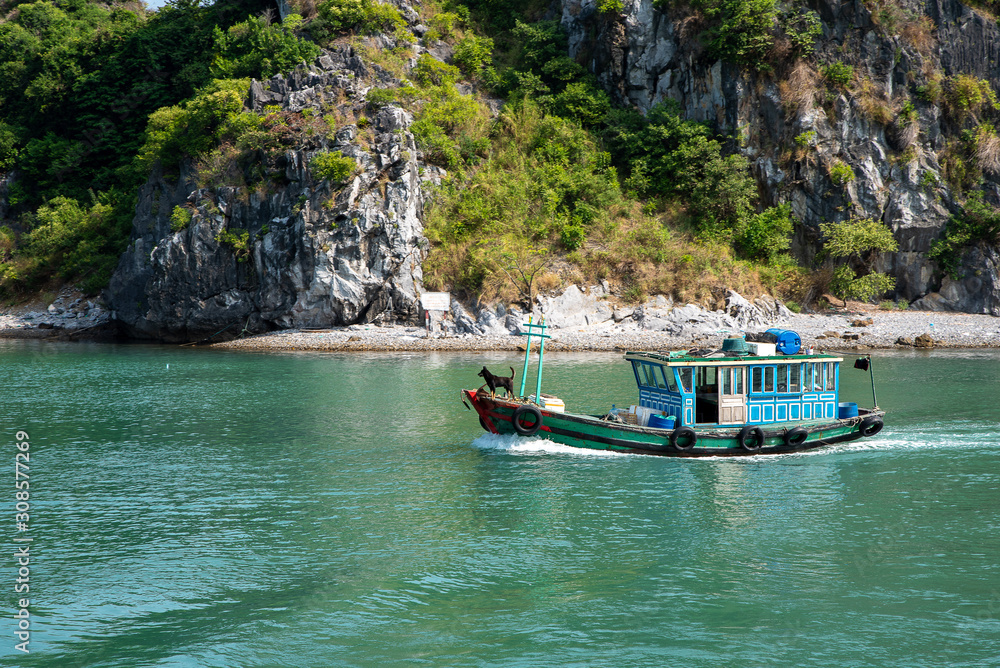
(795, 378)
(671, 382)
(731, 381)
(685, 376)
(640, 372)
(655, 374)
(707, 380)
(831, 376)
(762, 379)
(782, 377)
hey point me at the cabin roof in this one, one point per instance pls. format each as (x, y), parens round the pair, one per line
(719, 358)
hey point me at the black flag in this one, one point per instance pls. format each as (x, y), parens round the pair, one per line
(862, 363)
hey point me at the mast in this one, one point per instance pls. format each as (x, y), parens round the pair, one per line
(541, 352)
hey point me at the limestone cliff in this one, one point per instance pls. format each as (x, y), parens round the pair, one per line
(644, 55)
(295, 250)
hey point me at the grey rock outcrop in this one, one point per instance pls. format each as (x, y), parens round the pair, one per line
(575, 308)
(297, 251)
(644, 55)
(978, 291)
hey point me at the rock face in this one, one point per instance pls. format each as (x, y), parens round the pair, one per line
(978, 291)
(644, 55)
(297, 251)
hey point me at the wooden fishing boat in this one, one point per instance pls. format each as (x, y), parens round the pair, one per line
(743, 399)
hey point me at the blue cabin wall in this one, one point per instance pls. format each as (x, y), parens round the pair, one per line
(662, 399)
(764, 407)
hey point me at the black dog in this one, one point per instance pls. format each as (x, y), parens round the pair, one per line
(507, 383)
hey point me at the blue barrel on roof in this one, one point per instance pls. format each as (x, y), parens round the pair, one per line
(785, 341)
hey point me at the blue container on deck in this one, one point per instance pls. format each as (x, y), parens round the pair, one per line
(785, 341)
(661, 422)
(847, 409)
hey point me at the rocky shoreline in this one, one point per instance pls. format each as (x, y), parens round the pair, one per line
(580, 321)
(889, 330)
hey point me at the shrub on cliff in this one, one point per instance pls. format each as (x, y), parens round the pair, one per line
(198, 125)
(855, 242)
(367, 16)
(255, 48)
(977, 223)
(472, 52)
(743, 31)
(333, 167)
(73, 241)
(666, 156)
(766, 236)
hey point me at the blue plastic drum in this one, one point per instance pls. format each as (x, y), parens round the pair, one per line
(847, 409)
(785, 341)
(661, 422)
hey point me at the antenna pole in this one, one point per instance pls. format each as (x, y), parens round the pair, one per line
(871, 371)
(541, 352)
(527, 352)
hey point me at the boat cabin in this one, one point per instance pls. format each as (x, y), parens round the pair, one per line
(726, 389)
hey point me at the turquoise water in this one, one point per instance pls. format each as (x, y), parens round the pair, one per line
(345, 510)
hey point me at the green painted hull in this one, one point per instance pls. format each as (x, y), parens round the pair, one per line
(588, 431)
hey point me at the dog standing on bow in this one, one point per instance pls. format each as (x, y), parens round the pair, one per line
(506, 382)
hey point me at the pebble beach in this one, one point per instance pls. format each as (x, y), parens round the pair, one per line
(853, 327)
(835, 331)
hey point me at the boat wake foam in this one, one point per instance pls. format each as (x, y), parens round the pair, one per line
(518, 445)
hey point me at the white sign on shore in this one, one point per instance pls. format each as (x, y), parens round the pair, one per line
(436, 301)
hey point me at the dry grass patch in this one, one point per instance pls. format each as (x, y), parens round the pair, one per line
(872, 101)
(918, 32)
(799, 92)
(987, 150)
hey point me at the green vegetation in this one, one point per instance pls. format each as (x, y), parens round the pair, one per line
(333, 167)
(180, 218)
(78, 85)
(977, 223)
(565, 187)
(855, 242)
(561, 186)
(238, 241)
(838, 73)
(806, 138)
(745, 31)
(195, 127)
(367, 16)
(255, 49)
(841, 173)
(964, 95)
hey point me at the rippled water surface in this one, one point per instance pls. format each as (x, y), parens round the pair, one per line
(200, 508)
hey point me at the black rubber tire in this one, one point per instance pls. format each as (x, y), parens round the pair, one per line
(683, 433)
(532, 429)
(758, 435)
(482, 423)
(796, 436)
(871, 426)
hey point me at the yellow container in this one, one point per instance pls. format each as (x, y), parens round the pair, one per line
(550, 403)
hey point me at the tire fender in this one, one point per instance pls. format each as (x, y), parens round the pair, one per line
(796, 436)
(683, 439)
(871, 425)
(531, 429)
(751, 438)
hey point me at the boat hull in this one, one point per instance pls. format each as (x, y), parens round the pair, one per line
(592, 432)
